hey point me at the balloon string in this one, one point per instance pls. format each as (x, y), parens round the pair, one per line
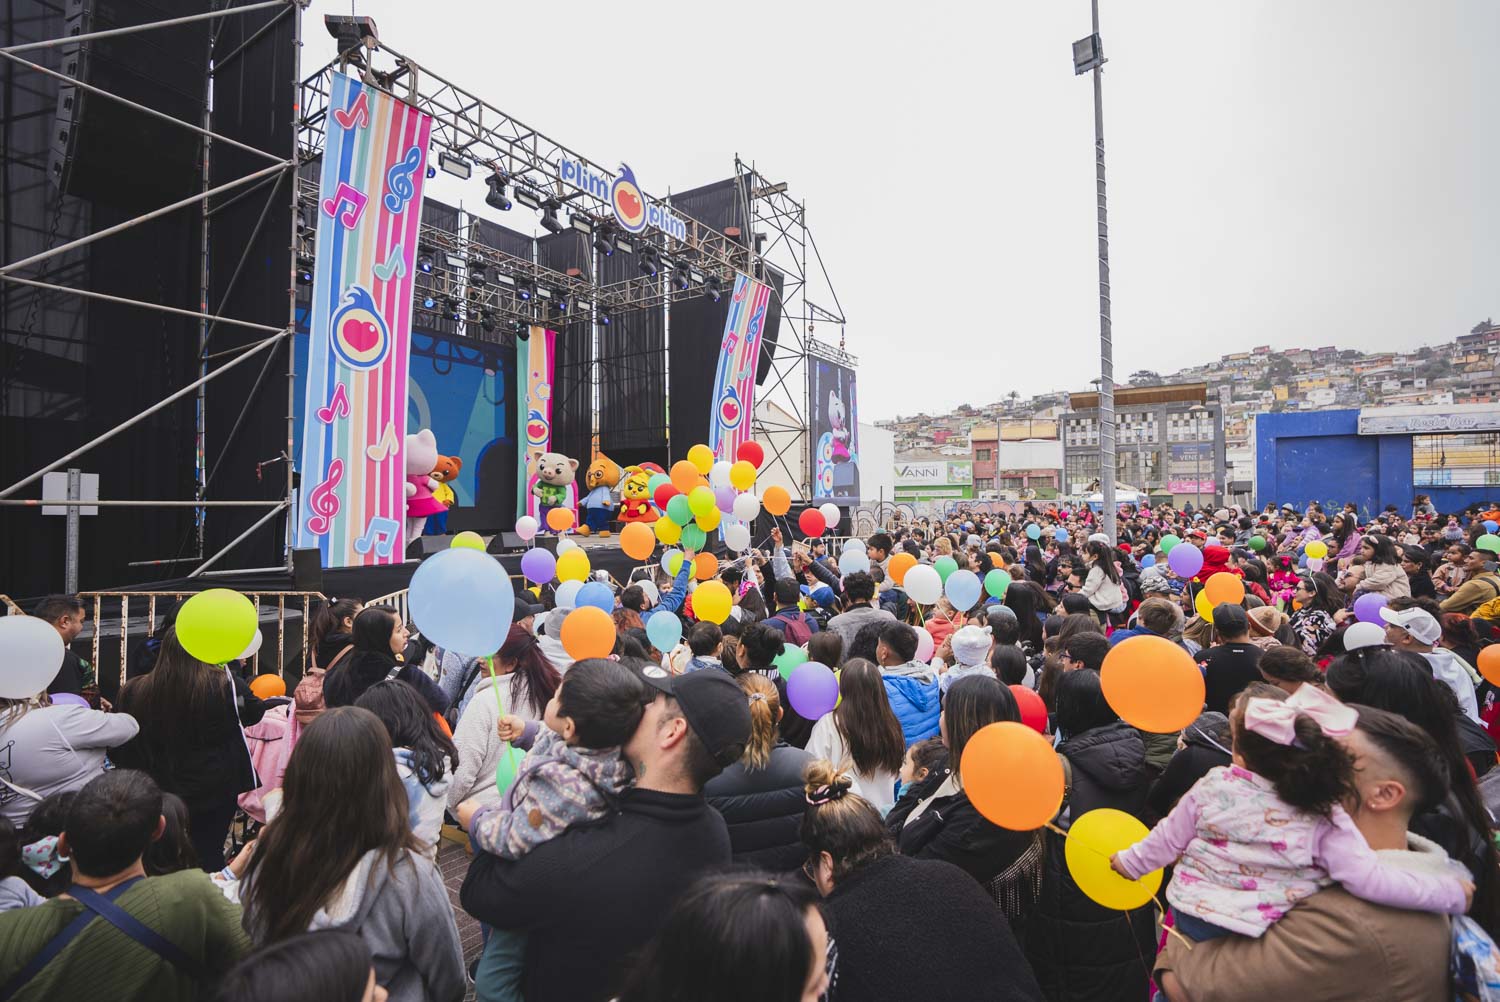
(1156, 900)
(508, 756)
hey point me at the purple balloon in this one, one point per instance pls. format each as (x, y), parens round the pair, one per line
(812, 690)
(724, 498)
(68, 699)
(1185, 560)
(1367, 608)
(538, 565)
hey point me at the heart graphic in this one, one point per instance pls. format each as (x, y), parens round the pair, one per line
(360, 335)
(730, 410)
(629, 205)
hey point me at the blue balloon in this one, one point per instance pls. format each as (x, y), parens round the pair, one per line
(597, 594)
(664, 629)
(1490, 525)
(963, 589)
(1033, 531)
(1149, 560)
(1060, 534)
(462, 601)
(854, 562)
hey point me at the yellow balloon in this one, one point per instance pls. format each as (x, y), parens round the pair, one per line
(712, 602)
(1317, 549)
(1203, 605)
(1095, 837)
(702, 457)
(709, 521)
(742, 475)
(667, 531)
(674, 564)
(467, 540)
(573, 566)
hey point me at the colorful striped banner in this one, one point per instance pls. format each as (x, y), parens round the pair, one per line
(734, 381)
(352, 503)
(536, 363)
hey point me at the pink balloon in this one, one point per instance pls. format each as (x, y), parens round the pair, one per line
(925, 644)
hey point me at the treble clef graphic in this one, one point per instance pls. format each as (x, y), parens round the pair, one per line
(398, 180)
(324, 502)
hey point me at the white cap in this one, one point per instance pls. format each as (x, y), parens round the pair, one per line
(1363, 635)
(1098, 537)
(1418, 622)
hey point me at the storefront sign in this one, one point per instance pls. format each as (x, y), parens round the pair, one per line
(1380, 422)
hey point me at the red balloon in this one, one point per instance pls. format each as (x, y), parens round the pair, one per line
(1033, 710)
(811, 522)
(752, 453)
(665, 493)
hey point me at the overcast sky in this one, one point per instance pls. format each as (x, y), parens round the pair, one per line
(1281, 172)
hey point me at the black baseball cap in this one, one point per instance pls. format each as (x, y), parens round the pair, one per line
(525, 608)
(714, 706)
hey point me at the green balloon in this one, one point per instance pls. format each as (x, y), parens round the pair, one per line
(945, 566)
(1489, 541)
(788, 659)
(1167, 542)
(996, 581)
(693, 537)
(680, 510)
(656, 481)
(1257, 543)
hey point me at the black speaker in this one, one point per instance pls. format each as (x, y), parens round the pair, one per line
(509, 542)
(107, 152)
(307, 569)
(425, 546)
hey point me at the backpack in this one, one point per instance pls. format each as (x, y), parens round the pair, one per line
(795, 632)
(308, 696)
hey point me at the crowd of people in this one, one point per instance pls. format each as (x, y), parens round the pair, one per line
(663, 824)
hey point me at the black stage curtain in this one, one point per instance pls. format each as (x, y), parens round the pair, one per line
(572, 385)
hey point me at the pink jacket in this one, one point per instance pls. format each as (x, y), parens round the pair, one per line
(1246, 857)
(270, 743)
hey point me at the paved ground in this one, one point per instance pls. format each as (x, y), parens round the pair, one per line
(453, 862)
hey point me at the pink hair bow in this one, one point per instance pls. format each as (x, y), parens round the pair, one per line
(1276, 720)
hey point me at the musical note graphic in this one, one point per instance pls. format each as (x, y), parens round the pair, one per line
(381, 534)
(399, 189)
(338, 406)
(356, 205)
(385, 446)
(324, 503)
(357, 115)
(395, 264)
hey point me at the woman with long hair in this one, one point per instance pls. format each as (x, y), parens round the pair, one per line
(1036, 566)
(760, 796)
(1345, 542)
(341, 855)
(1025, 599)
(1315, 602)
(379, 640)
(863, 731)
(425, 755)
(1402, 683)
(1380, 572)
(192, 741)
(330, 633)
(523, 683)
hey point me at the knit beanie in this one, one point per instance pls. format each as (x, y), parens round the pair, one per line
(971, 645)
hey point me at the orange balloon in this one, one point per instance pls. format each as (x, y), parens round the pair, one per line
(560, 519)
(1152, 684)
(899, 565)
(705, 566)
(1489, 663)
(637, 540)
(268, 686)
(588, 632)
(1012, 776)
(1225, 587)
(776, 500)
(685, 476)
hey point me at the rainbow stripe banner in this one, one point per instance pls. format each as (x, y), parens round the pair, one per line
(536, 365)
(352, 504)
(734, 381)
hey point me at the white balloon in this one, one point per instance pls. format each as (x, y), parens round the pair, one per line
(854, 562)
(249, 652)
(526, 527)
(831, 515)
(718, 476)
(854, 544)
(737, 537)
(567, 594)
(648, 586)
(925, 644)
(32, 652)
(746, 507)
(923, 584)
(1363, 635)
(564, 545)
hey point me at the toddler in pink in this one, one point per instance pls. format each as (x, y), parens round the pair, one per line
(1254, 838)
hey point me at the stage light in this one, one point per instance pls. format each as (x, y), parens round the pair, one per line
(526, 198)
(681, 278)
(304, 270)
(550, 222)
(477, 273)
(602, 242)
(561, 305)
(431, 171)
(496, 198)
(454, 261)
(715, 288)
(624, 243)
(524, 291)
(581, 223)
(603, 317)
(487, 322)
(522, 331)
(697, 276)
(503, 279)
(452, 163)
(451, 306)
(650, 262)
(428, 303)
(424, 260)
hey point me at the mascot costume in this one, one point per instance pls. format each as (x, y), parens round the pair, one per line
(421, 460)
(635, 494)
(601, 478)
(445, 472)
(552, 483)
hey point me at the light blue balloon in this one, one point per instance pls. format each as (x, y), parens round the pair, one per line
(1033, 531)
(1149, 560)
(854, 562)
(1060, 534)
(854, 544)
(666, 560)
(664, 630)
(462, 601)
(597, 594)
(963, 588)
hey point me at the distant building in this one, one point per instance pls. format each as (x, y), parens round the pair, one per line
(1168, 440)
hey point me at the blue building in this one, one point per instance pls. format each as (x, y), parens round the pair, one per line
(1378, 456)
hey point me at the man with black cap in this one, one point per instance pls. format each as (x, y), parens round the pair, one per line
(1234, 663)
(591, 897)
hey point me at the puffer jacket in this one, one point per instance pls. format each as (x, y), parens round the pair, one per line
(915, 698)
(763, 809)
(1079, 950)
(1384, 579)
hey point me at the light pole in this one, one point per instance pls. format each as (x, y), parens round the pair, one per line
(1088, 54)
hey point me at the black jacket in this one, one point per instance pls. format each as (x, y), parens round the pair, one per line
(329, 648)
(1190, 764)
(1227, 669)
(1079, 950)
(953, 830)
(953, 943)
(348, 680)
(763, 809)
(595, 894)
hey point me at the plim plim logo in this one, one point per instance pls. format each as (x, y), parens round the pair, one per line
(634, 211)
